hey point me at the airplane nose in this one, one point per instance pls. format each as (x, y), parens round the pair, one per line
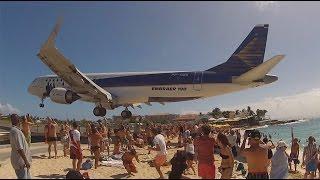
(30, 89)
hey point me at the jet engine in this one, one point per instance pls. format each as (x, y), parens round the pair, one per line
(63, 96)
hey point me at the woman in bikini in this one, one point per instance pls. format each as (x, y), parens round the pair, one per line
(227, 162)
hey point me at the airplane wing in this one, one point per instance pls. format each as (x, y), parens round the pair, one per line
(60, 65)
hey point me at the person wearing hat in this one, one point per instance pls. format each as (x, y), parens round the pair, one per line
(279, 162)
(256, 156)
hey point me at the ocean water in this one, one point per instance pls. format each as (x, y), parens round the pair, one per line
(301, 130)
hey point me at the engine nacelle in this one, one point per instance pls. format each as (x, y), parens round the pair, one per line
(63, 96)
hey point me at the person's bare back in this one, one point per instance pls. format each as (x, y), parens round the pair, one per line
(295, 148)
(95, 139)
(51, 130)
(257, 159)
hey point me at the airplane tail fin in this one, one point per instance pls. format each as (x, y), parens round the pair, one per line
(259, 72)
(248, 55)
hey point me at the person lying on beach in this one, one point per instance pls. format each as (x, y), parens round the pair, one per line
(95, 139)
(256, 156)
(26, 123)
(50, 134)
(127, 158)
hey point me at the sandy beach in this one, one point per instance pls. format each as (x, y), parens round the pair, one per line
(43, 168)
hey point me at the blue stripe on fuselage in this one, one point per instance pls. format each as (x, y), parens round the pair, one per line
(163, 79)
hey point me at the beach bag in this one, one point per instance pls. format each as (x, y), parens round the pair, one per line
(87, 165)
(240, 167)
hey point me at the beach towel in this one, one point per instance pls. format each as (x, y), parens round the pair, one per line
(279, 165)
(113, 163)
(117, 156)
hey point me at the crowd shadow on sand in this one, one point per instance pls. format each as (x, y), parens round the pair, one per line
(119, 176)
(52, 176)
(40, 157)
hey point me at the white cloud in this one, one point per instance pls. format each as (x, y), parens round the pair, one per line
(8, 109)
(263, 5)
(306, 104)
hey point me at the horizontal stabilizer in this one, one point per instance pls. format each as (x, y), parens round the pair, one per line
(260, 71)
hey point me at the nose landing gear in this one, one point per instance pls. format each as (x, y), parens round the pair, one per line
(41, 104)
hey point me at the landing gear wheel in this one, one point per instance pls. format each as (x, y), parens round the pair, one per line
(99, 111)
(126, 114)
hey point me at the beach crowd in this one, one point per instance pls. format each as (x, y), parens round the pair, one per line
(196, 145)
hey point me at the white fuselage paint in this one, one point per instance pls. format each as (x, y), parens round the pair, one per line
(139, 94)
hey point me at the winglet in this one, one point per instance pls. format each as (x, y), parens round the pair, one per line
(51, 39)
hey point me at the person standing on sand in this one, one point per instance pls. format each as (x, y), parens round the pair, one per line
(64, 139)
(256, 156)
(20, 152)
(204, 152)
(26, 123)
(294, 154)
(160, 143)
(279, 162)
(105, 141)
(95, 139)
(238, 141)
(227, 162)
(309, 158)
(50, 135)
(75, 147)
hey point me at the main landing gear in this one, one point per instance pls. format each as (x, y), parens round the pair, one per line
(126, 114)
(99, 111)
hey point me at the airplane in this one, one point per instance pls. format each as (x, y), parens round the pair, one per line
(244, 69)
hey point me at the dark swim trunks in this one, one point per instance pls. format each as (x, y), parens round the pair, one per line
(52, 139)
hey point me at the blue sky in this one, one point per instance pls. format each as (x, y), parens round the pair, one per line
(152, 36)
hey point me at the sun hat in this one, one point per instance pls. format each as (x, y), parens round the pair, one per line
(282, 144)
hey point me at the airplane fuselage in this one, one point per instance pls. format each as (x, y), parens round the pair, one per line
(137, 87)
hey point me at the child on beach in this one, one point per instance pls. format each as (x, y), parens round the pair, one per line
(127, 160)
